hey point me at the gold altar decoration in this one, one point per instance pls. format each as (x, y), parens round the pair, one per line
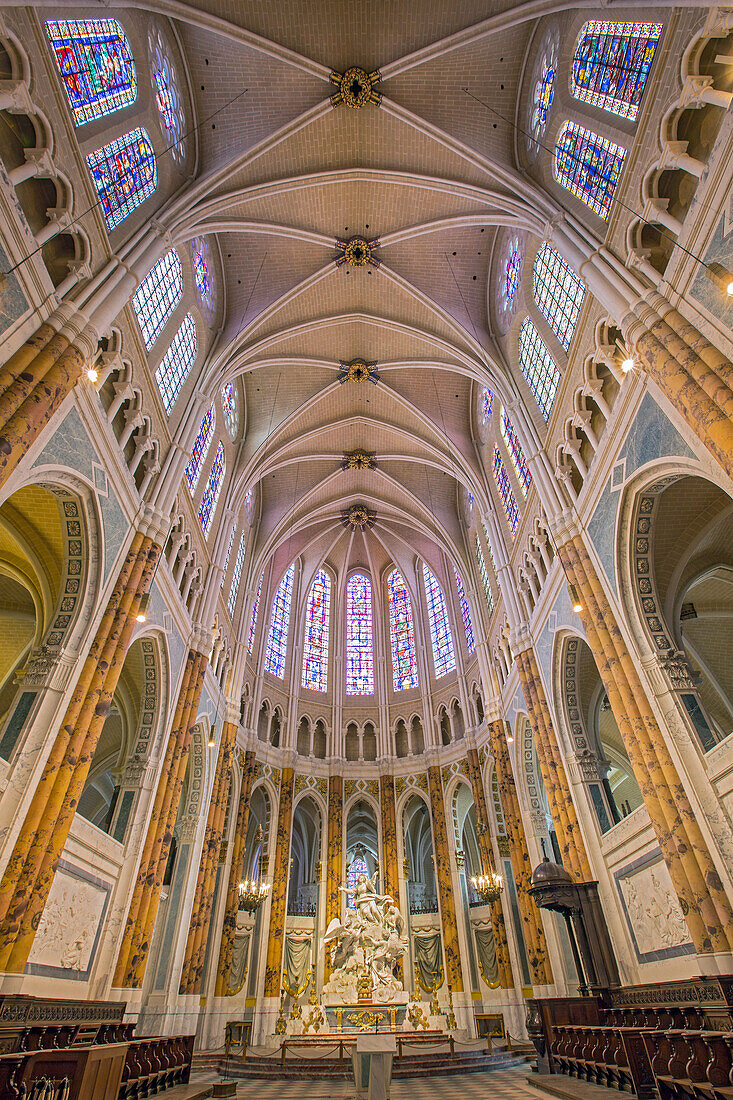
(280, 1026)
(295, 1010)
(417, 1017)
(432, 989)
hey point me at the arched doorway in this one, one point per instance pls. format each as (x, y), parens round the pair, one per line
(305, 853)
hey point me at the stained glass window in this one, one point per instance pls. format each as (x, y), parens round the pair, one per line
(200, 449)
(465, 612)
(230, 408)
(167, 96)
(315, 644)
(489, 547)
(277, 639)
(611, 64)
(516, 454)
(484, 574)
(487, 404)
(255, 609)
(558, 292)
(234, 590)
(402, 633)
(359, 640)
(210, 497)
(444, 659)
(124, 173)
(96, 66)
(356, 867)
(203, 272)
(538, 367)
(158, 295)
(226, 558)
(176, 364)
(501, 477)
(588, 165)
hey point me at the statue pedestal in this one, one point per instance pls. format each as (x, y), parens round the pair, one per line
(372, 1059)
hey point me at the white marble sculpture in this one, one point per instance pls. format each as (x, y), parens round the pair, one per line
(369, 940)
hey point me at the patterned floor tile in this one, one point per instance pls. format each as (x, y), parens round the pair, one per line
(500, 1085)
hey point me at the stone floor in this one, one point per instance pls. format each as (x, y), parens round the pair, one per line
(498, 1085)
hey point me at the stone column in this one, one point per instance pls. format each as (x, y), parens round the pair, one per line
(335, 852)
(193, 960)
(133, 955)
(281, 874)
(31, 868)
(506, 979)
(236, 873)
(534, 933)
(453, 969)
(390, 866)
(556, 783)
(706, 906)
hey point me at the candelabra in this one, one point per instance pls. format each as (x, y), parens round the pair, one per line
(252, 893)
(488, 886)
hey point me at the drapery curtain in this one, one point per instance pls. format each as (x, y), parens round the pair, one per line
(238, 969)
(486, 951)
(297, 962)
(429, 959)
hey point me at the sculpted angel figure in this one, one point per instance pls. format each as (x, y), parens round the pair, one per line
(366, 898)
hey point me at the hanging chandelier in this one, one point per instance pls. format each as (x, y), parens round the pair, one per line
(488, 887)
(252, 893)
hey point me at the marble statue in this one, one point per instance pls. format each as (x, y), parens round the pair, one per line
(370, 939)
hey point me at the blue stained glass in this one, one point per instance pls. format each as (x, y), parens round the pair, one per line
(444, 659)
(210, 497)
(236, 578)
(230, 408)
(588, 165)
(516, 454)
(200, 449)
(611, 65)
(484, 574)
(501, 477)
(315, 646)
(158, 295)
(253, 617)
(356, 867)
(96, 66)
(402, 633)
(125, 174)
(226, 559)
(487, 404)
(359, 637)
(277, 638)
(465, 612)
(558, 292)
(201, 261)
(175, 366)
(538, 367)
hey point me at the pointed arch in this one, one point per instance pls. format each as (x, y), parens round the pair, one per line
(200, 449)
(359, 636)
(315, 643)
(210, 497)
(177, 362)
(401, 632)
(465, 612)
(444, 658)
(277, 639)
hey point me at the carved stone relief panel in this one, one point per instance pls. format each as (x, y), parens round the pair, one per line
(652, 909)
(70, 925)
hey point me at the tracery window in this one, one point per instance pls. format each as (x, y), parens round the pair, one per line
(444, 659)
(210, 497)
(227, 555)
(255, 609)
(516, 454)
(167, 96)
(501, 477)
(96, 65)
(356, 867)
(465, 612)
(487, 404)
(538, 367)
(401, 632)
(277, 638)
(611, 64)
(200, 449)
(125, 174)
(315, 645)
(558, 292)
(489, 547)
(359, 637)
(203, 273)
(236, 578)
(175, 366)
(484, 574)
(588, 165)
(158, 295)
(230, 408)
(543, 91)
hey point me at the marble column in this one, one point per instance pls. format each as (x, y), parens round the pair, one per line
(390, 866)
(236, 874)
(453, 970)
(562, 808)
(281, 874)
(335, 852)
(133, 955)
(193, 960)
(32, 866)
(530, 914)
(483, 828)
(706, 906)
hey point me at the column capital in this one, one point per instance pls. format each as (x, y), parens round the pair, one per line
(520, 639)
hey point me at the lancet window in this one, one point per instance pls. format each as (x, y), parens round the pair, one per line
(501, 477)
(465, 612)
(402, 633)
(359, 636)
(176, 364)
(611, 64)
(277, 638)
(444, 659)
(253, 616)
(516, 454)
(588, 165)
(315, 647)
(558, 292)
(538, 367)
(200, 449)
(125, 174)
(158, 295)
(96, 65)
(236, 578)
(210, 497)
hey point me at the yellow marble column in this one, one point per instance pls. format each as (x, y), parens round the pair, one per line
(483, 828)
(453, 969)
(133, 955)
(390, 866)
(531, 916)
(236, 875)
(32, 866)
(281, 869)
(335, 852)
(706, 906)
(193, 960)
(562, 808)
